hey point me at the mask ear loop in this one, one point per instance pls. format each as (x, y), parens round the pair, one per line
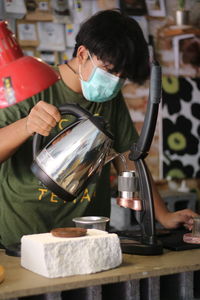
(79, 72)
(79, 67)
(91, 59)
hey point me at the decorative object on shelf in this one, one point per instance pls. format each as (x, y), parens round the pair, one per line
(60, 11)
(191, 52)
(71, 31)
(182, 14)
(27, 34)
(39, 10)
(80, 10)
(176, 40)
(194, 13)
(156, 8)
(51, 36)
(133, 7)
(179, 42)
(13, 9)
(106, 4)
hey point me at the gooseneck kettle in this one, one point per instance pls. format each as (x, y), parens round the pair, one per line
(75, 156)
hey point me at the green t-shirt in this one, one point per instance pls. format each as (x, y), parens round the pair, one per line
(26, 206)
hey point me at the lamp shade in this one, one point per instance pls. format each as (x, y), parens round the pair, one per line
(20, 76)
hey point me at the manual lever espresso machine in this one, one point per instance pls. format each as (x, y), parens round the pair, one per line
(134, 188)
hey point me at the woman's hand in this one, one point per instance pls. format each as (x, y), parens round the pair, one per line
(179, 218)
(42, 118)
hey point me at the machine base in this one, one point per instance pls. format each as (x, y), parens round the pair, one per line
(135, 246)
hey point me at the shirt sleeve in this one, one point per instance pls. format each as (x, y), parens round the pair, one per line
(17, 111)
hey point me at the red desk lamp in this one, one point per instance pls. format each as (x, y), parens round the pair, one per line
(20, 76)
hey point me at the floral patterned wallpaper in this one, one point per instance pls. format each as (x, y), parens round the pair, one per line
(181, 127)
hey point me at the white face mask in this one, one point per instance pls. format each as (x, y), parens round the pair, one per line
(101, 86)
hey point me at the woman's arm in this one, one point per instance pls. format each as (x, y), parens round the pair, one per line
(11, 137)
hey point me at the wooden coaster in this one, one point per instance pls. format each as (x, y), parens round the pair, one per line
(2, 273)
(69, 232)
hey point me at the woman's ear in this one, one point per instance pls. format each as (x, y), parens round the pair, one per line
(82, 55)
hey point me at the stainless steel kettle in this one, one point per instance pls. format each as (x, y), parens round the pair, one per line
(72, 159)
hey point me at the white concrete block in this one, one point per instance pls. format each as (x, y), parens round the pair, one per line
(53, 257)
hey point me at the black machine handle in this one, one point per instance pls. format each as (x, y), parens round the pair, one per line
(141, 148)
(71, 109)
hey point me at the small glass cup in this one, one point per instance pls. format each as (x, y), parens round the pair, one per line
(91, 222)
(196, 226)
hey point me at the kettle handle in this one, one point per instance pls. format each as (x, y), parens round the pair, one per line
(72, 109)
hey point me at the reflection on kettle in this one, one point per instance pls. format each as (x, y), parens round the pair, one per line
(73, 158)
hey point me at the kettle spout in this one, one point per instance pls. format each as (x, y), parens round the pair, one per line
(111, 154)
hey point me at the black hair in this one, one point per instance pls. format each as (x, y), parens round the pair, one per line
(117, 39)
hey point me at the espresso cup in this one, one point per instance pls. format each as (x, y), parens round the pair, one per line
(196, 226)
(91, 222)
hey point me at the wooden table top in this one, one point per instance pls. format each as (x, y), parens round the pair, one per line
(21, 282)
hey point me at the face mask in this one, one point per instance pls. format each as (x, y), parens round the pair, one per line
(101, 86)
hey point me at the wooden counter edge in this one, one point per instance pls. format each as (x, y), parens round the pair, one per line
(130, 269)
